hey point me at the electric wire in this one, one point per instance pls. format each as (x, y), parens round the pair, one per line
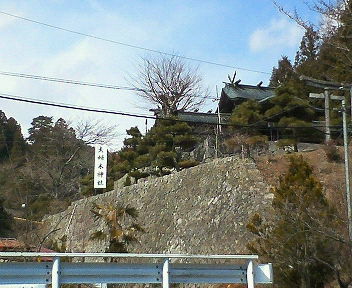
(136, 115)
(83, 83)
(131, 45)
(68, 81)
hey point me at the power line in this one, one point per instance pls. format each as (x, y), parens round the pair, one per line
(96, 110)
(83, 83)
(67, 81)
(117, 87)
(131, 45)
(70, 106)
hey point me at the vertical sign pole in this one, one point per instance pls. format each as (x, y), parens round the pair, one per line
(100, 166)
(347, 173)
(327, 116)
(250, 274)
(166, 273)
(55, 273)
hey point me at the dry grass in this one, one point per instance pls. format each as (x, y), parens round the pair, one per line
(330, 174)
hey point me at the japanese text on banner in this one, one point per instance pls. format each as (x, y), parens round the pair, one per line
(100, 166)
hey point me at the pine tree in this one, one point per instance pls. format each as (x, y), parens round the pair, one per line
(291, 239)
(309, 48)
(283, 73)
(5, 220)
(248, 112)
(160, 148)
(16, 144)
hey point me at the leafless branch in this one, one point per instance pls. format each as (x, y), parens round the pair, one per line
(294, 16)
(95, 132)
(169, 83)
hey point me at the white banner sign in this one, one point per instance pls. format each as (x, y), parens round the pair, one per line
(100, 166)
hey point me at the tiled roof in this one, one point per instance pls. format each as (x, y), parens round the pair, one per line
(11, 244)
(198, 118)
(248, 92)
(14, 245)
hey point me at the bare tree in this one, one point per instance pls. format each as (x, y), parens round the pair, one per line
(170, 83)
(95, 132)
(333, 31)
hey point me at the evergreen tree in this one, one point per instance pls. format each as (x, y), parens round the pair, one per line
(12, 143)
(283, 73)
(248, 112)
(55, 162)
(291, 239)
(160, 148)
(16, 144)
(309, 48)
(5, 220)
(40, 129)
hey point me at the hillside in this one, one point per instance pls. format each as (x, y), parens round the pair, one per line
(194, 210)
(191, 211)
(330, 174)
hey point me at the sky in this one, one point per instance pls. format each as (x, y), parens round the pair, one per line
(249, 34)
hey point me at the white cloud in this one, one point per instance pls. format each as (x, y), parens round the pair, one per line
(5, 21)
(281, 33)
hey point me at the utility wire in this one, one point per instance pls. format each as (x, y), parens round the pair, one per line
(70, 106)
(131, 45)
(83, 83)
(91, 109)
(67, 81)
(117, 87)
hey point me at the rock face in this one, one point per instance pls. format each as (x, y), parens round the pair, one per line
(202, 210)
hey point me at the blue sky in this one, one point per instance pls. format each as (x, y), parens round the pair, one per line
(251, 34)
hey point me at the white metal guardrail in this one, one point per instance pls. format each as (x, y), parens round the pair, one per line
(164, 271)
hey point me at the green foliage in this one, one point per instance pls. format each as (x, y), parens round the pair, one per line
(291, 239)
(283, 73)
(123, 228)
(127, 181)
(166, 159)
(46, 173)
(98, 235)
(56, 159)
(87, 185)
(186, 142)
(5, 221)
(134, 140)
(160, 148)
(249, 112)
(12, 143)
(136, 174)
(143, 160)
(184, 164)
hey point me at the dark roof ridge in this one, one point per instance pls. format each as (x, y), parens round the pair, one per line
(244, 86)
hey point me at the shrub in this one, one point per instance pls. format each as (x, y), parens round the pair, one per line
(186, 142)
(257, 140)
(127, 181)
(166, 159)
(138, 174)
(188, 163)
(332, 153)
(142, 161)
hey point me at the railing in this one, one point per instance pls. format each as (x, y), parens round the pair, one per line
(13, 271)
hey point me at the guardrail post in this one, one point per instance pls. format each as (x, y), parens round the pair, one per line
(250, 274)
(166, 274)
(55, 273)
